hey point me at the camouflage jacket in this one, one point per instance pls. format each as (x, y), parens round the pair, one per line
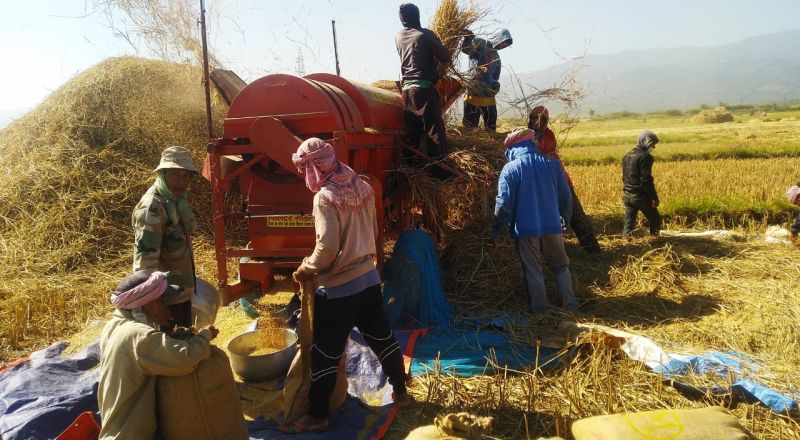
(161, 245)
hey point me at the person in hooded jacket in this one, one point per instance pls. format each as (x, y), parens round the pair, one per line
(638, 189)
(533, 201)
(538, 120)
(484, 63)
(420, 52)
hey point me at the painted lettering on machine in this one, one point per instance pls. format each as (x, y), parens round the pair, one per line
(290, 221)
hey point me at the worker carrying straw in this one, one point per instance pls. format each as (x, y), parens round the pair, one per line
(133, 353)
(348, 286)
(484, 64)
(533, 202)
(420, 53)
(163, 223)
(538, 120)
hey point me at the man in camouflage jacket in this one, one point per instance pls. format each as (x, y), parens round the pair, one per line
(163, 224)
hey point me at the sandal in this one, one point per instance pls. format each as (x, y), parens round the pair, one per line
(296, 427)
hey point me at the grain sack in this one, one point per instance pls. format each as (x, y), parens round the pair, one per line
(295, 389)
(205, 303)
(201, 405)
(671, 424)
(454, 426)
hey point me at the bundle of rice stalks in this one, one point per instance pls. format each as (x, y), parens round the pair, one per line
(386, 84)
(713, 116)
(450, 23)
(74, 168)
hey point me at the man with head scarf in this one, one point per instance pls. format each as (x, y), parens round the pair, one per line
(793, 195)
(163, 223)
(533, 202)
(420, 52)
(348, 290)
(538, 120)
(133, 354)
(484, 63)
(638, 188)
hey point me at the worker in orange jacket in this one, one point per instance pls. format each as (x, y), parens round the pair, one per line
(538, 120)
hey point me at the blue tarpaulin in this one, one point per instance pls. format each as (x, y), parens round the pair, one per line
(413, 292)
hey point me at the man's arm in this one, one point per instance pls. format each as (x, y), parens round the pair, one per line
(564, 194)
(326, 225)
(160, 355)
(148, 233)
(504, 202)
(439, 51)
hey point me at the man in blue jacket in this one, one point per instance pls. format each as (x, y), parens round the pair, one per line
(484, 64)
(534, 202)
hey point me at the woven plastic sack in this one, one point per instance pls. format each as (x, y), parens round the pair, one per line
(203, 405)
(712, 423)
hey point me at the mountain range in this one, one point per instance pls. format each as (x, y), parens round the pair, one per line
(756, 70)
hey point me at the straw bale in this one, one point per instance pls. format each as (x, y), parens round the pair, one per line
(713, 116)
(450, 22)
(73, 169)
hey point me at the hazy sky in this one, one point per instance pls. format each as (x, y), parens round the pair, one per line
(44, 43)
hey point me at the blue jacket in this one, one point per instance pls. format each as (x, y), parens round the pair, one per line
(532, 195)
(484, 62)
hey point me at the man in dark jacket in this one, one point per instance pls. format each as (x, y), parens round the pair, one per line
(420, 53)
(484, 63)
(639, 191)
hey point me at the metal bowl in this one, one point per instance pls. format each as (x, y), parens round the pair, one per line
(266, 366)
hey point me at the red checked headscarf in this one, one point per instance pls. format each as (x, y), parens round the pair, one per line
(316, 160)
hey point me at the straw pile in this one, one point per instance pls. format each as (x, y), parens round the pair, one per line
(450, 23)
(713, 116)
(73, 169)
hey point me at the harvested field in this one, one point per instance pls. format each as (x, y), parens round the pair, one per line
(74, 168)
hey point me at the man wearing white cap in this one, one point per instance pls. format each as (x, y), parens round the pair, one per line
(133, 354)
(163, 223)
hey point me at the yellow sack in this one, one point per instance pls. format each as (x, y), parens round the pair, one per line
(712, 423)
(297, 384)
(454, 426)
(201, 405)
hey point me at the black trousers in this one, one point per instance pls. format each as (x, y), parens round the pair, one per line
(423, 115)
(333, 321)
(581, 226)
(473, 113)
(635, 203)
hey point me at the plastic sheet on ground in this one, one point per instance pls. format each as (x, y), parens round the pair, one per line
(744, 371)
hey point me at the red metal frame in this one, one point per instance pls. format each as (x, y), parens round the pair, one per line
(265, 124)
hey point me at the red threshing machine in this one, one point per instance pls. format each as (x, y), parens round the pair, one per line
(265, 124)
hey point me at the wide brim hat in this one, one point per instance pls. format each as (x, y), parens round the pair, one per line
(176, 157)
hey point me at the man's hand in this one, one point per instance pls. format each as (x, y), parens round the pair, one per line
(301, 275)
(656, 203)
(214, 331)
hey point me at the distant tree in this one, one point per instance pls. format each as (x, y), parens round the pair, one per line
(704, 107)
(591, 112)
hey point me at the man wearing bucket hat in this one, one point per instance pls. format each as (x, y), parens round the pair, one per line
(793, 195)
(133, 354)
(163, 224)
